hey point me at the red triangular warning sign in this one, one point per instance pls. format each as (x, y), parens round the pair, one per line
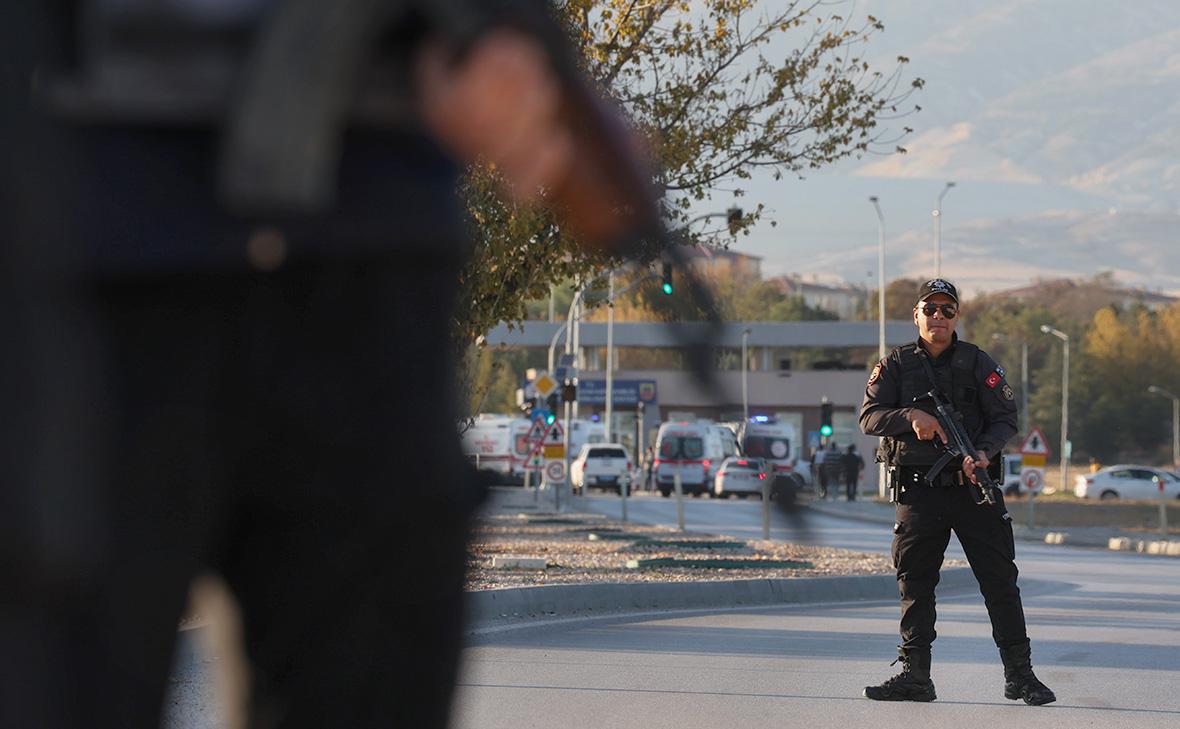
(1034, 443)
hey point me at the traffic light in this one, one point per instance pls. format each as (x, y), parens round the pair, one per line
(667, 287)
(733, 219)
(569, 392)
(825, 418)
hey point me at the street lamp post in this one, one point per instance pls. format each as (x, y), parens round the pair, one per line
(880, 277)
(1064, 400)
(745, 375)
(610, 351)
(938, 230)
(1154, 390)
(881, 486)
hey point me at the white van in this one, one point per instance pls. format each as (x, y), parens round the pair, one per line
(498, 443)
(695, 450)
(768, 438)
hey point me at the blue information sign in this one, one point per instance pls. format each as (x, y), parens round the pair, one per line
(623, 392)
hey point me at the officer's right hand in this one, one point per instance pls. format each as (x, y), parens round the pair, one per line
(926, 426)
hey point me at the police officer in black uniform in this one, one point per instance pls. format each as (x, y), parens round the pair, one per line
(927, 512)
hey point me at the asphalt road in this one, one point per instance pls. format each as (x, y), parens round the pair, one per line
(1105, 629)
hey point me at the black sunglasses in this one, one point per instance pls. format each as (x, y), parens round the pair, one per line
(949, 311)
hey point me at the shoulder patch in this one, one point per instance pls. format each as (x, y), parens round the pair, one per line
(1000, 370)
(994, 379)
(876, 375)
(1006, 391)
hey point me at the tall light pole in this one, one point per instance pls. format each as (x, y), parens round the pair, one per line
(880, 277)
(1064, 400)
(745, 375)
(1154, 390)
(610, 351)
(938, 230)
(880, 313)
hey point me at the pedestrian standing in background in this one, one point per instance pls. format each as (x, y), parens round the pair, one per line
(833, 466)
(927, 512)
(853, 466)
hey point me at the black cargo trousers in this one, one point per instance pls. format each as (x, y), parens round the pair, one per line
(926, 516)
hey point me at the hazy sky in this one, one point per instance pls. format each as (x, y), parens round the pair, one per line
(1056, 120)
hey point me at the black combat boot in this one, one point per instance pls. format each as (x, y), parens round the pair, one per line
(912, 684)
(1019, 680)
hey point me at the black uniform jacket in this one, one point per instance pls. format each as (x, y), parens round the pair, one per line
(968, 377)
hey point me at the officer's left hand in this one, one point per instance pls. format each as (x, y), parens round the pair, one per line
(970, 464)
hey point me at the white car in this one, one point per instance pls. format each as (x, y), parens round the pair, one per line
(601, 465)
(741, 476)
(1127, 482)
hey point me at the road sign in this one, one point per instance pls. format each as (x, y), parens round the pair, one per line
(1034, 443)
(555, 434)
(537, 432)
(544, 384)
(554, 452)
(1032, 479)
(555, 471)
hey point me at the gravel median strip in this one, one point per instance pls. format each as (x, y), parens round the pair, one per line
(572, 556)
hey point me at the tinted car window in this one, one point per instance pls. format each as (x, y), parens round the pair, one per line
(764, 447)
(692, 447)
(1121, 474)
(606, 453)
(1142, 475)
(744, 466)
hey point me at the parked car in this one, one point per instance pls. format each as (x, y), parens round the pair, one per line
(1127, 482)
(601, 465)
(1012, 466)
(741, 476)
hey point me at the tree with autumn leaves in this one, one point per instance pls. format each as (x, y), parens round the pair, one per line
(719, 89)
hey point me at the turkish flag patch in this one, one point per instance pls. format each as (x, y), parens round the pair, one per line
(993, 379)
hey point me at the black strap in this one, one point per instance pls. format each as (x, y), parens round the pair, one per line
(925, 360)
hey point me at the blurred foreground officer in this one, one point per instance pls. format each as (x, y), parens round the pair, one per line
(230, 250)
(927, 512)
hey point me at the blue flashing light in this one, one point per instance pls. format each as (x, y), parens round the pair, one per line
(760, 418)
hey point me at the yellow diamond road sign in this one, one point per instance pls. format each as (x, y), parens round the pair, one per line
(544, 384)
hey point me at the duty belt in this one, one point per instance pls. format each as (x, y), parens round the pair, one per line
(916, 476)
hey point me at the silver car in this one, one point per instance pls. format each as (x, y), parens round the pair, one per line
(741, 476)
(1127, 482)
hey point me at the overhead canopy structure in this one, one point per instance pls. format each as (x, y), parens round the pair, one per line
(762, 334)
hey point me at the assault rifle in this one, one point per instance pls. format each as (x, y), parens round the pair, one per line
(960, 445)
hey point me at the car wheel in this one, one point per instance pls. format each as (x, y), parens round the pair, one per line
(1108, 495)
(1013, 490)
(665, 492)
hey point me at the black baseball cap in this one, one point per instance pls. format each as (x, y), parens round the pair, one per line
(937, 286)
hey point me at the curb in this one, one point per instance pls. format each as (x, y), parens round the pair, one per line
(1097, 537)
(492, 608)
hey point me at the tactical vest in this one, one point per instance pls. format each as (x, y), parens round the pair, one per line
(958, 384)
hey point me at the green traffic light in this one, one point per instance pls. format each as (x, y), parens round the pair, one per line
(825, 430)
(550, 418)
(668, 288)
